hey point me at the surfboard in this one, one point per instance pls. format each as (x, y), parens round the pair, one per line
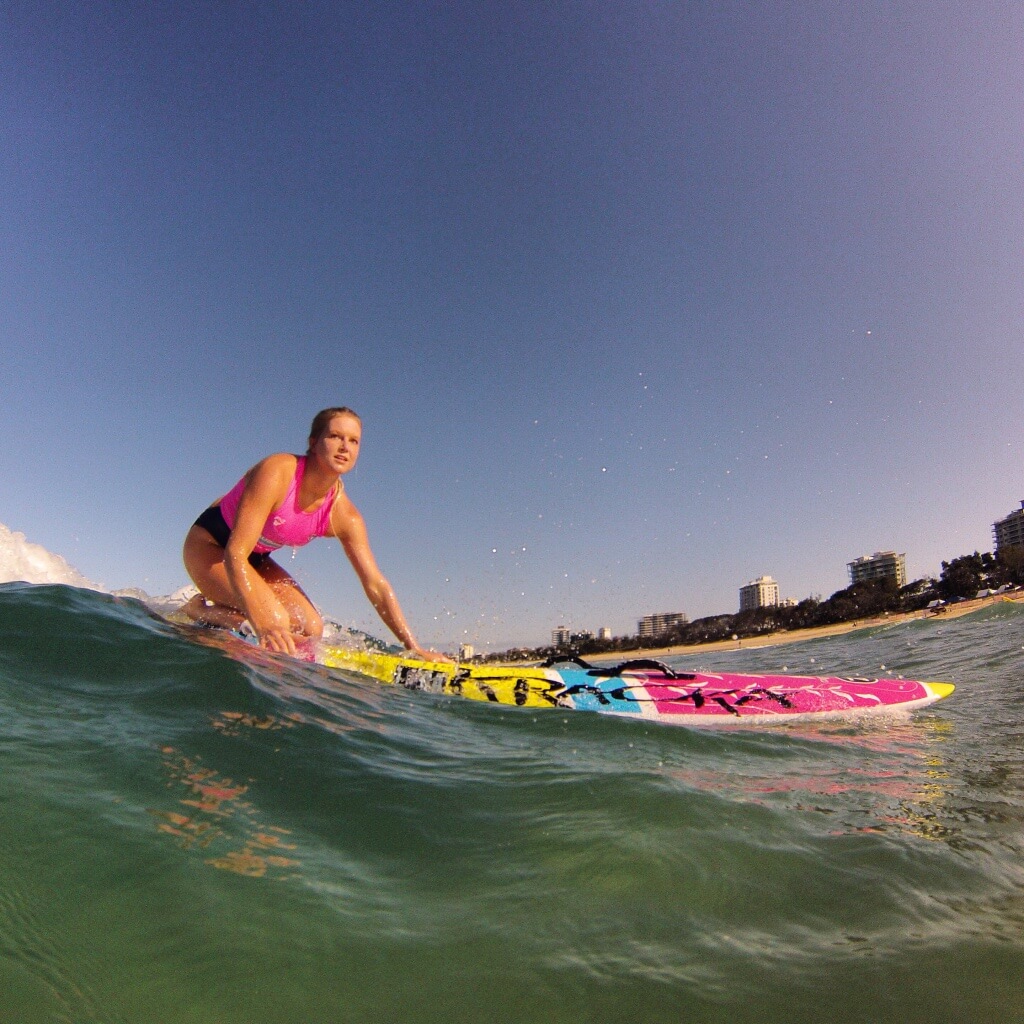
(647, 690)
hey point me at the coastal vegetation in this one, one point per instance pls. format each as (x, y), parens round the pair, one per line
(961, 579)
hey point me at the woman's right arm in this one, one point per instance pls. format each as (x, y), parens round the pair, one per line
(266, 486)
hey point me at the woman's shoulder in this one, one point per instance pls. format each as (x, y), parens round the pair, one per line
(274, 469)
(344, 514)
(278, 462)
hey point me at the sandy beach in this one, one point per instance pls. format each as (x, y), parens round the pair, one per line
(951, 611)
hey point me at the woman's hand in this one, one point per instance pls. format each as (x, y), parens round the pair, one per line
(427, 655)
(277, 638)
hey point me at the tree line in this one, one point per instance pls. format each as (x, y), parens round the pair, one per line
(960, 579)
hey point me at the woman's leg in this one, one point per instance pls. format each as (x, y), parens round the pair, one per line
(216, 605)
(305, 619)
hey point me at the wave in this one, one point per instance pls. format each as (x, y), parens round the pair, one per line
(193, 831)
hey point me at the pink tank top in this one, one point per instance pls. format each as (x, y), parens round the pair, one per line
(288, 525)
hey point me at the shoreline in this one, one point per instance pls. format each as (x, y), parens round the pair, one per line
(953, 611)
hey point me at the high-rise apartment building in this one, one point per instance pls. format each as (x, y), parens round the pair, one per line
(1009, 532)
(760, 593)
(878, 566)
(660, 623)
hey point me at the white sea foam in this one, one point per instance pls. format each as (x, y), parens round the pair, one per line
(22, 561)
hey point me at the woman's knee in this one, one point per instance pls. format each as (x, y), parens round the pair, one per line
(308, 622)
(303, 617)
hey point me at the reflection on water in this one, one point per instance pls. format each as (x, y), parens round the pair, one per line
(874, 777)
(220, 818)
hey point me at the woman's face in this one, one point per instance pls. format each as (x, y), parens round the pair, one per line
(338, 445)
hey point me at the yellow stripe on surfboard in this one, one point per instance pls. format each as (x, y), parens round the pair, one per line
(523, 687)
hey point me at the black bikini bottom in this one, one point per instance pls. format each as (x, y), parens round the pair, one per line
(213, 522)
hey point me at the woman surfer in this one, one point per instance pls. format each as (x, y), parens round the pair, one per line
(286, 500)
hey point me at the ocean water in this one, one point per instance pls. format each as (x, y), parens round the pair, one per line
(188, 835)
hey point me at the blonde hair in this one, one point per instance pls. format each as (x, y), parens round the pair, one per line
(324, 417)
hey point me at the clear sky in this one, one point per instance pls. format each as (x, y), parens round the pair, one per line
(638, 301)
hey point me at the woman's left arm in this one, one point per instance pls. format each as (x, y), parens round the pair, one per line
(350, 529)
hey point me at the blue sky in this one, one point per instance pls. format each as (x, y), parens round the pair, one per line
(638, 301)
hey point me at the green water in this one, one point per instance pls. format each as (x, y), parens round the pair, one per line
(185, 837)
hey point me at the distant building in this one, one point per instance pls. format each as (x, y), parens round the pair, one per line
(560, 637)
(604, 633)
(1009, 532)
(660, 623)
(466, 652)
(760, 593)
(879, 566)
